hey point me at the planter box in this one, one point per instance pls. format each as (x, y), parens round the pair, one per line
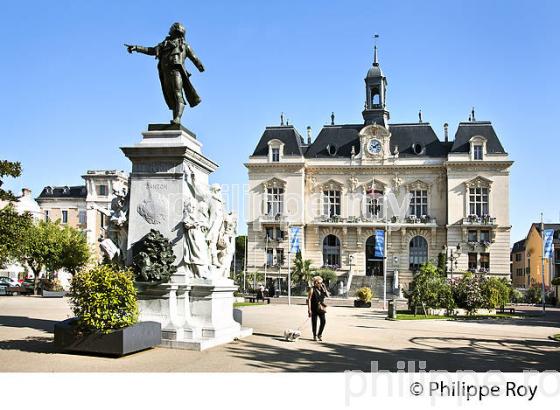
(120, 342)
(53, 294)
(361, 303)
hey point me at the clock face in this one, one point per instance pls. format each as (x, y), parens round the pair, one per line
(374, 146)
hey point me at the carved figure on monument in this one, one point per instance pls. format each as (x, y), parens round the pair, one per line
(115, 244)
(195, 246)
(226, 243)
(172, 53)
(216, 220)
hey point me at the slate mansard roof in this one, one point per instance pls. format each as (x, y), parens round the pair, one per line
(344, 137)
(63, 192)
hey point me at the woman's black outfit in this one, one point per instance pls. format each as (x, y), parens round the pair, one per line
(317, 296)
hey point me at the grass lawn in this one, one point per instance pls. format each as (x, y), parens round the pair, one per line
(241, 304)
(406, 315)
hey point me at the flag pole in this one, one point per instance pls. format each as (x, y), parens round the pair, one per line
(542, 267)
(289, 270)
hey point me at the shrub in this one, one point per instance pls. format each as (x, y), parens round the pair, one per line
(556, 281)
(495, 292)
(468, 293)
(534, 294)
(104, 299)
(516, 296)
(430, 289)
(364, 294)
(52, 285)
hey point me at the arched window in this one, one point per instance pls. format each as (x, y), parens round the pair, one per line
(331, 251)
(418, 252)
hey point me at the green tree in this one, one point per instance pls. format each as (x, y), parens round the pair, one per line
(13, 233)
(51, 246)
(11, 169)
(301, 272)
(442, 263)
(76, 252)
(430, 289)
(496, 292)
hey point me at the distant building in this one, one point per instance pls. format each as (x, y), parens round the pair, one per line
(66, 204)
(78, 206)
(526, 257)
(334, 189)
(100, 185)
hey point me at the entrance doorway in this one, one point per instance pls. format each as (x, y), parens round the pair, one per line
(374, 264)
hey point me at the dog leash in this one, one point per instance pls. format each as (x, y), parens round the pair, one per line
(303, 324)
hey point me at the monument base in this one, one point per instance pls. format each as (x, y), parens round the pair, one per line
(195, 315)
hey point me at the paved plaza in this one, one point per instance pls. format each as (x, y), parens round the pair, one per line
(352, 340)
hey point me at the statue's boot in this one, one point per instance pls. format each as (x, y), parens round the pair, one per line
(178, 113)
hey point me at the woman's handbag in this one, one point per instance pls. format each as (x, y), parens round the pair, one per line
(321, 307)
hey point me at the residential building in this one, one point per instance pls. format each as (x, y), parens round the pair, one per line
(527, 263)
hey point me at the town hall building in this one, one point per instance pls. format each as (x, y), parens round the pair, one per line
(378, 198)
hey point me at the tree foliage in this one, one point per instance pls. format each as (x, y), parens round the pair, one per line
(13, 233)
(51, 246)
(430, 289)
(496, 292)
(11, 169)
(301, 272)
(104, 298)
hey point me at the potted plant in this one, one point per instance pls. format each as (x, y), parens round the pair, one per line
(106, 315)
(364, 296)
(52, 288)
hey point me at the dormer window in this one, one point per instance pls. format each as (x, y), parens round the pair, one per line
(275, 150)
(477, 152)
(477, 148)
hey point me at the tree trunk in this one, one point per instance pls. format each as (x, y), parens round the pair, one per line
(36, 281)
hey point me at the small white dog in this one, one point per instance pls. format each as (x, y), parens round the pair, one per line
(291, 335)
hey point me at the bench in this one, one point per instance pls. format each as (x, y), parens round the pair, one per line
(254, 299)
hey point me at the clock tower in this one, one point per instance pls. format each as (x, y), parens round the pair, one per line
(376, 85)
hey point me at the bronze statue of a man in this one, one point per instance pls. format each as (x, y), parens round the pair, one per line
(174, 79)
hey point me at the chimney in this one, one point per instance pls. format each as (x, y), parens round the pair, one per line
(25, 192)
(308, 135)
(446, 131)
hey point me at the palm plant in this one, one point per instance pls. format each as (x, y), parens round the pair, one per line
(302, 272)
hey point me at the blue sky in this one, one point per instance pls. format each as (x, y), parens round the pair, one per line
(71, 95)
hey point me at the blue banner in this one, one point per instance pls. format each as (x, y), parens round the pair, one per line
(379, 243)
(548, 237)
(295, 238)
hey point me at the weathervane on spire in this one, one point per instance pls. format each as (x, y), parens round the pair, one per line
(375, 37)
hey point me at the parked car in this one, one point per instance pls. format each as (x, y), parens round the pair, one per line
(28, 286)
(4, 288)
(9, 281)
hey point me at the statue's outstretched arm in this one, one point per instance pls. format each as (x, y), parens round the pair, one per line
(151, 51)
(192, 56)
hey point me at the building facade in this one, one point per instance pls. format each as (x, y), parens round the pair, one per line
(81, 206)
(526, 256)
(380, 198)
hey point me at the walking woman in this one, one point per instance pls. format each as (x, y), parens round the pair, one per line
(316, 307)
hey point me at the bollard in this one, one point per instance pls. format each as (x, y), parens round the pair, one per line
(392, 312)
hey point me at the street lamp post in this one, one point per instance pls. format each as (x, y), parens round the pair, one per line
(453, 256)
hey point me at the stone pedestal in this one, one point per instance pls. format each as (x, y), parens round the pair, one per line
(194, 313)
(157, 185)
(193, 316)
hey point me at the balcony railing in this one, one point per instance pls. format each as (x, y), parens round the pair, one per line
(479, 220)
(272, 218)
(412, 219)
